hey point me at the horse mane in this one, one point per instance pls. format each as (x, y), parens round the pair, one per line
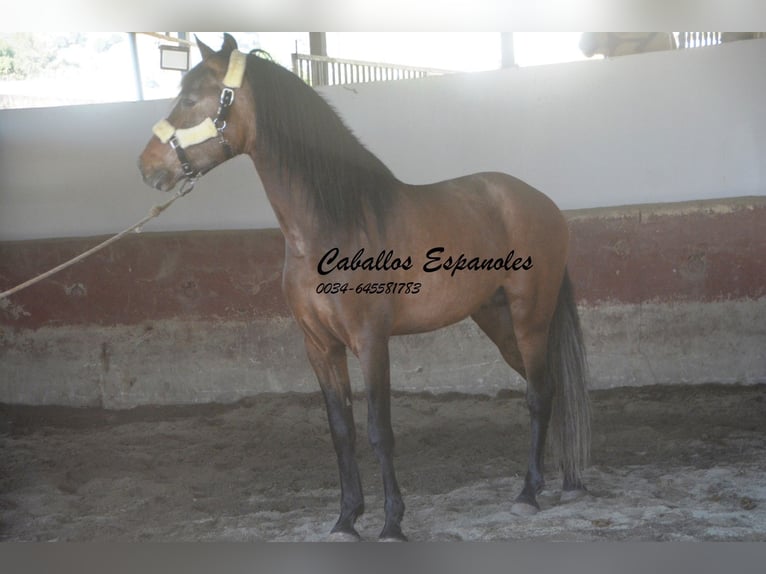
(309, 141)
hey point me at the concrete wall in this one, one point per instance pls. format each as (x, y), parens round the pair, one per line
(665, 126)
(668, 292)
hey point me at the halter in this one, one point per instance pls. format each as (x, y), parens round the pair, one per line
(180, 139)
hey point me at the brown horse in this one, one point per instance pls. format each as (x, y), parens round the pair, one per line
(611, 44)
(368, 257)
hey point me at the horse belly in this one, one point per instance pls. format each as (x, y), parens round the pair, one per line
(441, 302)
(454, 245)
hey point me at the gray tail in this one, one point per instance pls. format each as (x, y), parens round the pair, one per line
(567, 369)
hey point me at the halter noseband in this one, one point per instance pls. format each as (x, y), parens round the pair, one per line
(180, 139)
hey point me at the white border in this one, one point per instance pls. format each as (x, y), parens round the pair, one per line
(388, 15)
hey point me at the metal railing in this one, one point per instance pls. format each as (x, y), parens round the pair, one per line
(698, 39)
(326, 71)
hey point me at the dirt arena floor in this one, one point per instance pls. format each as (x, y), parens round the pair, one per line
(669, 463)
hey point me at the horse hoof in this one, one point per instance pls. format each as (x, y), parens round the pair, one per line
(572, 495)
(392, 534)
(392, 539)
(524, 509)
(343, 537)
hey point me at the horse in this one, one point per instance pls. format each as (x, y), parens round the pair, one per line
(369, 257)
(611, 44)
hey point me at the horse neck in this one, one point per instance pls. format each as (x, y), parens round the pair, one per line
(288, 200)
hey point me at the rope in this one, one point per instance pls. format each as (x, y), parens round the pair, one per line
(155, 211)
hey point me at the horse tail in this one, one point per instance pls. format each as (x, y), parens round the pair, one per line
(567, 369)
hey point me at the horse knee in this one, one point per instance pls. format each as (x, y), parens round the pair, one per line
(341, 419)
(343, 435)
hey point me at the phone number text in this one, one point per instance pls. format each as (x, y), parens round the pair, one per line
(390, 288)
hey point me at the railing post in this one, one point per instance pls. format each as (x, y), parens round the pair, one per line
(318, 47)
(508, 58)
(136, 66)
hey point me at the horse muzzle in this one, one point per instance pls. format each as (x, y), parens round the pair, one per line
(157, 176)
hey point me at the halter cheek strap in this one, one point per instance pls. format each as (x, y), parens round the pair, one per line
(236, 70)
(180, 139)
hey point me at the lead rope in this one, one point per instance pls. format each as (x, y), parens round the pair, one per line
(155, 211)
(178, 140)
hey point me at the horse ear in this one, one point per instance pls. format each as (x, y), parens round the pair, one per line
(229, 44)
(204, 49)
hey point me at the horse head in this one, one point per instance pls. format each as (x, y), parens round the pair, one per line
(210, 122)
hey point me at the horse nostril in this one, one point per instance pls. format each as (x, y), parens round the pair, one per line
(157, 179)
(146, 172)
(154, 174)
(160, 179)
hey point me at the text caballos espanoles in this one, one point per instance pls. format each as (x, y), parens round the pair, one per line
(435, 260)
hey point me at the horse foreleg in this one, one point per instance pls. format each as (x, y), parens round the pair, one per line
(376, 368)
(332, 372)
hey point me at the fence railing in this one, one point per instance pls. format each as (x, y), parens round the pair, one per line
(698, 39)
(326, 71)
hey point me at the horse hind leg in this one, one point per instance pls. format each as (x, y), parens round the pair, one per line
(531, 329)
(549, 339)
(495, 318)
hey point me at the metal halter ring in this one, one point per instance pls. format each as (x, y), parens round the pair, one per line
(225, 102)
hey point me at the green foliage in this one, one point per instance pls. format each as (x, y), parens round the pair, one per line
(25, 54)
(7, 59)
(28, 54)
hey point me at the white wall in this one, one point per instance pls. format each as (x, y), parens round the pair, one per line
(665, 126)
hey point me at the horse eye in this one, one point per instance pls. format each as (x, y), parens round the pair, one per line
(188, 102)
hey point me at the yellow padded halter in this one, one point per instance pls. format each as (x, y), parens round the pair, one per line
(187, 137)
(202, 132)
(206, 129)
(164, 130)
(236, 70)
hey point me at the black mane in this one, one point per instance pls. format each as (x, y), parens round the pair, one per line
(308, 139)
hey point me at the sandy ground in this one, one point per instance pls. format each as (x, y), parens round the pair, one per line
(669, 463)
